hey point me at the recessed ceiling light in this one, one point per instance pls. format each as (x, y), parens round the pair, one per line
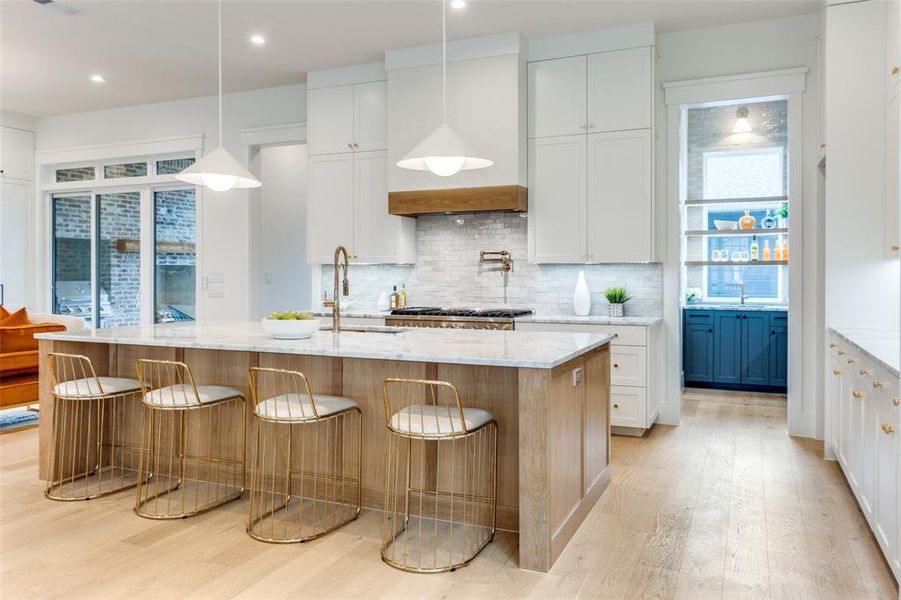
(97, 78)
(257, 39)
(458, 4)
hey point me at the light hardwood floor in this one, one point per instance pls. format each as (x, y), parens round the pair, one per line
(724, 506)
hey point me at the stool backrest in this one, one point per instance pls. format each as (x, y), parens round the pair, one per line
(166, 382)
(76, 371)
(419, 405)
(283, 386)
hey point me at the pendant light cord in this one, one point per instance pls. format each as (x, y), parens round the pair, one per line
(443, 60)
(221, 143)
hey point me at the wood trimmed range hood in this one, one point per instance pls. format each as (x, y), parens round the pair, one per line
(486, 104)
(415, 203)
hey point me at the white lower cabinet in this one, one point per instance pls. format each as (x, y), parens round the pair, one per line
(863, 433)
(634, 400)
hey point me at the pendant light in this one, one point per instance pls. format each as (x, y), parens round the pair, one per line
(219, 170)
(444, 152)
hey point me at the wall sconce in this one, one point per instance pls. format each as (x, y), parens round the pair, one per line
(741, 121)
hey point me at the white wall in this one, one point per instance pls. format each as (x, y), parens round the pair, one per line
(282, 273)
(225, 232)
(748, 48)
(11, 119)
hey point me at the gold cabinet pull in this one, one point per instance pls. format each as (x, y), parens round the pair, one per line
(857, 394)
(833, 345)
(865, 371)
(895, 70)
(896, 401)
(877, 384)
(895, 247)
(888, 428)
(836, 372)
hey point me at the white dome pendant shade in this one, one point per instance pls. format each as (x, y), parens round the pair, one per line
(444, 152)
(219, 170)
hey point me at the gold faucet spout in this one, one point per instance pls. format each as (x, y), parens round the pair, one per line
(344, 284)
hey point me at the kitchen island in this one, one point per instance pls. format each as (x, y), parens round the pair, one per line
(549, 392)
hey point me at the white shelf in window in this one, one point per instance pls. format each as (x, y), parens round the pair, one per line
(760, 200)
(730, 263)
(709, 232)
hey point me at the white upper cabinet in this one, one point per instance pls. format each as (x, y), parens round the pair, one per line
(16, 153)
(557, 97)
(330, 206)
(557, 197)
(620, 214)
(330, 120)
(371, 116)
(378, 236)
(620, 90)
(892, 198)
(893, 43)
(347, 118)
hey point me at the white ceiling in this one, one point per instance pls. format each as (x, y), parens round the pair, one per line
(156, 50)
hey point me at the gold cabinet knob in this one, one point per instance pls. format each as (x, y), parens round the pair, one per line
(851, 361)
(888, 428)
(836, 372)
(865, 371)
(823, 146)
(833, 345)
(895, 69)
(841, 352)
(615, 365)
(857, 394)
(616, 406)
(877, 384)
(895, 247)
(896, 401)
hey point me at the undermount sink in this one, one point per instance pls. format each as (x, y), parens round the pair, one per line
(367, 329)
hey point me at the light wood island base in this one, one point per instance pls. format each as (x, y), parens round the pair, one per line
(553, 424)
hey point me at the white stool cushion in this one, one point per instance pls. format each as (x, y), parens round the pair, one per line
(183, 394)
(438, 420)
(87, 387)
(294, 407)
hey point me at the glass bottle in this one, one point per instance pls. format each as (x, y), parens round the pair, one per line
(748, 221)
(755, 249)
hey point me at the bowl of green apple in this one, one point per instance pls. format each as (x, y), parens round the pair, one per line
(291, 325)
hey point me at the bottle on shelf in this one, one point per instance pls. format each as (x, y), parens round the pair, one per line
(767, 255)
(755, 249)
(778, 251)
(785, 251)
(769, 221)
(403, 295)
(395, 297)
(748, 221)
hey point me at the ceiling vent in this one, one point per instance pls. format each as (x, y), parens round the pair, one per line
(59, 7)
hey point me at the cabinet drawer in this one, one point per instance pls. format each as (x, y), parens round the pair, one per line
(628, 406)
(628, 366)
(626, 335)
(698, 316)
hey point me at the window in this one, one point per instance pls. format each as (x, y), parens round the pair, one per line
(753, 173)
(135, 169)
(71, 252)
(119, 259)
(175, 259)
(74, 174)
(172, 166)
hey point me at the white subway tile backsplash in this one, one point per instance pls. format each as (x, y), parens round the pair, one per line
(448, 273)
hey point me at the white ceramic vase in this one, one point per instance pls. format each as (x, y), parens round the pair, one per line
(581, 297)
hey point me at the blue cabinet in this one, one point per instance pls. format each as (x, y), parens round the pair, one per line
(697, 346)
(727, 347)
(735, 349)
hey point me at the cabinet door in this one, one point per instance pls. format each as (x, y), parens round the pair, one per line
(755, 348)
(778, 349)
(727, 347)
(15, 224)
(628, 406)
(371, 117)
(16, 153)
(330, 206)
(620, 219)
(557, 97)
(374, 229)
(330, 120)
(557, 191)
(869, 438)
(892, 195)
(888, 455)
(893, 43)
(853, 433)
(620, 90)
(697, 353)
(836, 398)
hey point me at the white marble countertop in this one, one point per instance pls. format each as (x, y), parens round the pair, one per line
(539, 318)
(541, 350)
(884, 347)
(766, 307)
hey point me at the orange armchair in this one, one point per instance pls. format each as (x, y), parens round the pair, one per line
(19, 362)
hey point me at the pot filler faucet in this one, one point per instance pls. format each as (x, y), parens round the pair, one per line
(345, 287)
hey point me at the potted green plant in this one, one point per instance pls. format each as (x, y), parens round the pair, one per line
(616, 298)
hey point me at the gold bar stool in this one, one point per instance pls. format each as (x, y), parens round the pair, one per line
(193, 441)
(307, 459)
(440, 477)
(92, 418)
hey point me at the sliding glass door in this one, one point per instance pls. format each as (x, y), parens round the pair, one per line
(118, 293)
(175, 258)
(73, 230)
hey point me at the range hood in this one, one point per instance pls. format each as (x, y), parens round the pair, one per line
(414, 203)
(487, 105)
